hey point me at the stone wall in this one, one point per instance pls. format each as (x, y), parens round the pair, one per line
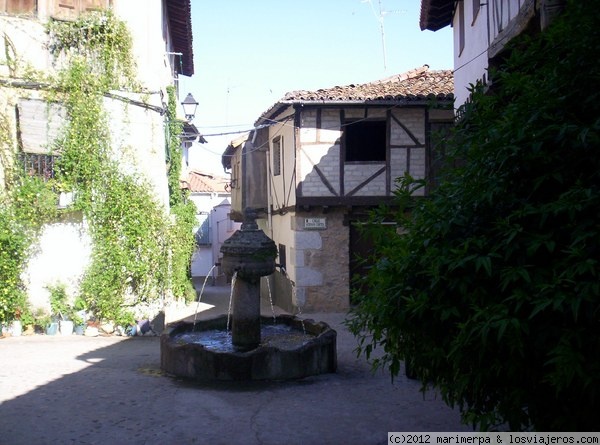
(322, 275)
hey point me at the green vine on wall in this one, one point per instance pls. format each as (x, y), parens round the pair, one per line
(101, 40)
(23, 210)
(26, 203)
(138, 254)
(184, 210)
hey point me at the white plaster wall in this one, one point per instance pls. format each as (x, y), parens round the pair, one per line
(283, 188)
(327, 158)
(61, 256)
(223, 227)
(355, 174)
(29, 39)
(414, 120)
(280, 228)
(471, 65)
(138, 142)
(145, 22)
(219, 207)
(143, 18)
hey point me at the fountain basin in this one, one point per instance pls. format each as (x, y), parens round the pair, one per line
(269, 361)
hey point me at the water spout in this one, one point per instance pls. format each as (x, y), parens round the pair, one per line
(233, 280)
(271, 300)
(249, 254)
(202, 293)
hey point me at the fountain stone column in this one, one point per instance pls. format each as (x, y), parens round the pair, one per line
(250, 254)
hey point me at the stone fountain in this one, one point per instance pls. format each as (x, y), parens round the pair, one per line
(291, 347)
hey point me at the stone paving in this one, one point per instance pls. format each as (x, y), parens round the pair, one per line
(110, 390)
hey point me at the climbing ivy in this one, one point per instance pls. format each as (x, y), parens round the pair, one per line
(138, 253)
(184, 210)
(100, 39)
(23, 210)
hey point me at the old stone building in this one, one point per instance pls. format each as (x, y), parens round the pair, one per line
(319, 160)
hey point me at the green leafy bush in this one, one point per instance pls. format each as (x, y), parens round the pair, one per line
(493, 294)
(28, 204)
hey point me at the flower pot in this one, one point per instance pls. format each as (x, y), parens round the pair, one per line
(66, 327)
(79, 329)
(16, 328)
(52, 328)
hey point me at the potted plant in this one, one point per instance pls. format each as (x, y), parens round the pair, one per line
(78, 315)
(41, 321)
(21, 315)
(61, 310)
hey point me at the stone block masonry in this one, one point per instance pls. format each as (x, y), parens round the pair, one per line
(322, 283)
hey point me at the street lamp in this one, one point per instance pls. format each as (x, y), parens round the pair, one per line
(189, 107)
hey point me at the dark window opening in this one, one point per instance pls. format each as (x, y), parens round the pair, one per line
(282, 258)
(476, 7)
(365, 141)
(277, 143)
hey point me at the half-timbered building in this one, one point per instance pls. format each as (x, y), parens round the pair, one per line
(319, 160)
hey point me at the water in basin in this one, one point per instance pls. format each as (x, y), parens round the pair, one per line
(280, 336)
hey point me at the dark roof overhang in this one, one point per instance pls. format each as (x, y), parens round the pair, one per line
(436, 14)
(179, 16)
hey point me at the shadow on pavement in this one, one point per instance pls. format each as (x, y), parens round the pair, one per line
(110, 390)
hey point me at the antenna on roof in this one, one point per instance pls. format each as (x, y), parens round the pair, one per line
(380, 16)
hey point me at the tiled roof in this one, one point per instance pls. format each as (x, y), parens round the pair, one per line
(417, 85)
(198, 182)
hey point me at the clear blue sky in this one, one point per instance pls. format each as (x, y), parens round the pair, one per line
(249, 53)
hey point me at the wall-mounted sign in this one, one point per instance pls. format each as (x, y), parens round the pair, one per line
(315, 223)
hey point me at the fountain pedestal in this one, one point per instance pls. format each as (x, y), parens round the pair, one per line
(310, 349)
(248, 254)
(245, 314)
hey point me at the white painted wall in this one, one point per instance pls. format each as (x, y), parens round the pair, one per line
(138, 142)
(216, 208)
(145, 21)
(471, 64)
(61, 256)
(319, 147)
(280, 195)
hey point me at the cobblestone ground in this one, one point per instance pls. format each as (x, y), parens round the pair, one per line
(110, 390)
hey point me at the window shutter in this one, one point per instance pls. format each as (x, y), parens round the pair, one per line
(94, 5)
(70, 9)
(18, 6)
(66, 9)
(39, 125)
